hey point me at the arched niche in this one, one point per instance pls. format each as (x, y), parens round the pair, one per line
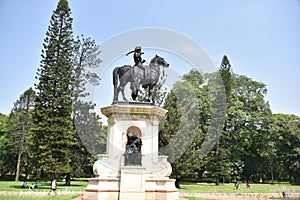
(134, 129)
(133, 154)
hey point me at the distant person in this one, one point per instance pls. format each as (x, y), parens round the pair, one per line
(23, 184)
(248, 184)
(34, 185)
(237, 185)
(283, 194)
(53, 187)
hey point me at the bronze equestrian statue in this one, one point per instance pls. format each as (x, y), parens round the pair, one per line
(138, 75)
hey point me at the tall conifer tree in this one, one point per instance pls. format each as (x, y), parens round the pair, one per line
(53, 131)
(226, 73)
(220, 161)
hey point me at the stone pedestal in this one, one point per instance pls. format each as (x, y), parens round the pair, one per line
(132, 183)
(114, 180)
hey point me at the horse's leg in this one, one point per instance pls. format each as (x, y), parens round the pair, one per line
(134, 95)
(134, 90)
(115, 83)
(116, 93)
(123, 82)
(122, 91)
(135, 82)
(150, 94)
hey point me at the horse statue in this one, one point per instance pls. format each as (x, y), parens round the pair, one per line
(147, 76)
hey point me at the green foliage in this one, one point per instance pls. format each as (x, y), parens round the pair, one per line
(239, 146)
(53, 131)
(248, 124)
(14, 130)
(3, 124)
(181, 132)
(90, 137)
(86, 58)
(226, 73)
(20, 120)
(286, 131)
(217, 161)
(242, 150)
(86, 121)
(5, 144)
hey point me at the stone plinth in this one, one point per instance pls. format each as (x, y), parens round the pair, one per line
(102, 188)
(132, 183)
(114, 180)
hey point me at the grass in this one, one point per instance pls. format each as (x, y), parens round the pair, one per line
(78, 186)
(194, 187)
(189, 187)
(11, 186)
(10, 190)
(195, 198)
(58, 197)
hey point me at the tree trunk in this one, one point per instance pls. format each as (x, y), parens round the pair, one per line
(297, 178)
(217, 181)
(28, 171)
(38, 173)
(20, 153)
(217, 159)
(68, 180)
(18, 168)
(272, 175)
(27, 176)
(177, 185)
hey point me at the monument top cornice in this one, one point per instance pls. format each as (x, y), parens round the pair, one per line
(134, 109)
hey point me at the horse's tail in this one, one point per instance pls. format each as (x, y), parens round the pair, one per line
(115, 76)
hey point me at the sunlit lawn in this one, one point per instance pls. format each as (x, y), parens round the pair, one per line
(58, 197)
(189, 187)
(42, 186)
(10, 190)
(9, 187)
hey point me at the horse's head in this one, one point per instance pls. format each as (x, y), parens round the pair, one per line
(160, 61)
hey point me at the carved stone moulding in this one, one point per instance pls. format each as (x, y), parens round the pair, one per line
(134, 111)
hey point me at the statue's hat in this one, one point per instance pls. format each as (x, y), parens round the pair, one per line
(136, 49)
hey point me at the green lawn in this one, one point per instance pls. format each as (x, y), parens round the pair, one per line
(10, 190)
(189, 187)
(193, 187)
(195, 198)
(10, 186)
(77, 187)
(58, 197)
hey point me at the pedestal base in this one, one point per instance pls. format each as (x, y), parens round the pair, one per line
(102, 189)
(157, 189)
(132, 184)
(114, 189)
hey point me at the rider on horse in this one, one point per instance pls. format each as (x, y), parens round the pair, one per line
(137, 56)
(138, 61)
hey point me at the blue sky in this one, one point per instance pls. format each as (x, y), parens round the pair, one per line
(260, 37)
